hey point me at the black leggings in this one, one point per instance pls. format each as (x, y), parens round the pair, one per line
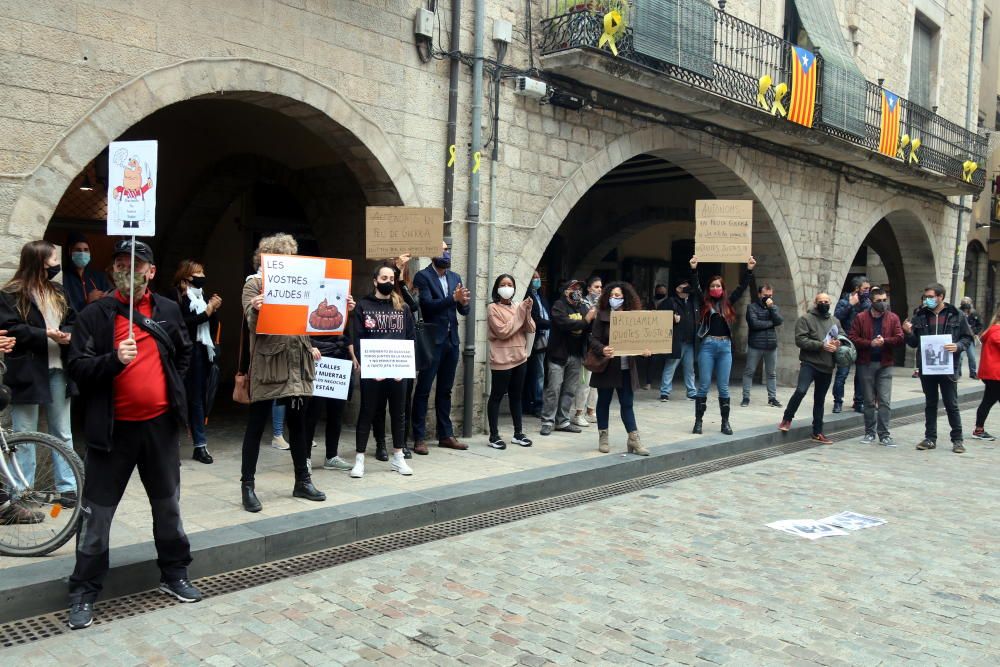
(378, 423)
(296, 425)
(374, 395)
(991, 396)
(334, 412)
(510, 382)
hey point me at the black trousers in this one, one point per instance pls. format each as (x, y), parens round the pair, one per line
(296, 425)
(810, 375)
(991, 396)
(378, 424)
(333, 410)
(510, 382)
(151, 446)
(374, 395)
(948, 387)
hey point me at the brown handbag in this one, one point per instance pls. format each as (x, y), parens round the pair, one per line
(241, 386)
(594, 363)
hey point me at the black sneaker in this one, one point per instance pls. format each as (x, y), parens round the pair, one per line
(745, 403)
(201, 455)
(774, 403)
(81, 615)
(497, 443)
(957, 446)
(981, 434)
(569, 427)
(838, 407)
(521, 439)
(380, 452)
(182, 589)
(926, 443)
(664, 398)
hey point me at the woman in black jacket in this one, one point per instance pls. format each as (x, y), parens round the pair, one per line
(36, 312)
(621, 373)
(203, 327)
(333, 347)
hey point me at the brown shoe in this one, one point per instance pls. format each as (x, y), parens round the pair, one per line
(451, 443)
(420, 447)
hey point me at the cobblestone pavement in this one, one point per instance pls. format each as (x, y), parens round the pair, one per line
(685, 573)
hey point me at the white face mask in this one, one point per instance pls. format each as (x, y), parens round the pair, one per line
(505, 292)
(616, 302)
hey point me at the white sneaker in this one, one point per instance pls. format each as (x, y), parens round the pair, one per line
(580, 420)
(279, 442)
(398, 463)
(358, 471)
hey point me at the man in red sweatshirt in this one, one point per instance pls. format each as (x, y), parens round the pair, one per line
(877, 334)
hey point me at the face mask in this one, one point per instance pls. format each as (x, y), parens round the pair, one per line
(880, 306)
(444, 261)
(197, 281)
(823, 308)
(385, 289)
(616, 302)
(930, 302)
(763, 300)
(53, 271)
(575, 295)
(715, 292)
(505, 292)
(536, 283)
(661, 295)
(864, 293)
(80, 259)
(129, 290)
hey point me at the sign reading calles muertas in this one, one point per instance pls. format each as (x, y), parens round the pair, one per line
(391, 231)
(723, 230)
(635, 331)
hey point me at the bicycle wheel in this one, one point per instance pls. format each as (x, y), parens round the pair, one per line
(43, 514)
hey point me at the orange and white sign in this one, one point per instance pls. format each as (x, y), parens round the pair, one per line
(304, 295)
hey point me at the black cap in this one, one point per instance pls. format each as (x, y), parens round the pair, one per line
(571, 283)
(142, 250)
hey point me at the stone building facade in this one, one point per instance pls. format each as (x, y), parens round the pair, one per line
(295, 114)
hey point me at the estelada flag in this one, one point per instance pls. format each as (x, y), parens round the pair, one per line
(889, 133)
(803, 104)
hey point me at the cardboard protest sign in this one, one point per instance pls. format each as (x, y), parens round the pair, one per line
(304, 295)
(635, 331)
(333, 378)
(132, 188)
(387, 359)
(723, 230)
(391, 231)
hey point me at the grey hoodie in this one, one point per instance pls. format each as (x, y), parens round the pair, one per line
(810, 331)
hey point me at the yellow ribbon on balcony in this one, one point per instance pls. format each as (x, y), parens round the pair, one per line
(904, 141)
(914, 145)
(779, 94)
(968, 169)
(763, 85)
(613, 24)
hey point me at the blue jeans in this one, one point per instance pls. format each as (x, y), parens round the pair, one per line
(670, 367)
(25, 418)
(534, 384)
(840, 379)
(715, 357)
(625, 400)
(195, 385)
(278, 419)
(442, 368)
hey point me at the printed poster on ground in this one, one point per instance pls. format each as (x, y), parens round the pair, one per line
(304, 295)
(723, 230)
(132, 182)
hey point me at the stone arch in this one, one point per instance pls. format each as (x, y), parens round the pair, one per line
(378, 168)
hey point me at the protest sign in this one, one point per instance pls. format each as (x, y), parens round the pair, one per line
(852, 521)
(807, 528)
(723, 230)
(304, 295)
(333, 378)
(387, 359)
(935, 360)
(132, 183)
(391, 231)
(635, 331)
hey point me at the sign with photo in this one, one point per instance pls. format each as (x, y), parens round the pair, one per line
(934, 359)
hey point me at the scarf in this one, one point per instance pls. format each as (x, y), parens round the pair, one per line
(198, 306)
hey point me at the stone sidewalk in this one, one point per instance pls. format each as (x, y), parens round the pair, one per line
(211, 494)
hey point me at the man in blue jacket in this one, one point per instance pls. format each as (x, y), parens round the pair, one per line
(442, 297)
(856, 301)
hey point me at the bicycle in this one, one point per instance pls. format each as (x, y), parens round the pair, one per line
(36, 517)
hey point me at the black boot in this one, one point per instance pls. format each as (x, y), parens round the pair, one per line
(724, 411)
(250, 502)
(380, 453)
(407, 454)
(699, 411)
(304, 489)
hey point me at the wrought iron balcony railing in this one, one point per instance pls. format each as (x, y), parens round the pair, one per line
(743, 53)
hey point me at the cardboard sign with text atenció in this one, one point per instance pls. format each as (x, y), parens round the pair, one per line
(723, 230)
(333, 378)
(387, 359)
(304, 295)
(132, 182)
(391, 231)
(635, 331)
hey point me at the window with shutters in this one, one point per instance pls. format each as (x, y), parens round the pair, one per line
(923, 63)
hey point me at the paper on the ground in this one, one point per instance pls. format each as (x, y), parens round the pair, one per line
(807, 528)
(852, 521)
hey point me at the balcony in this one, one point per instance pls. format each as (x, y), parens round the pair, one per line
(723, 89)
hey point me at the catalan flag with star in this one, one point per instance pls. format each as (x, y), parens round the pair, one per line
(888, 142)
(803, 103)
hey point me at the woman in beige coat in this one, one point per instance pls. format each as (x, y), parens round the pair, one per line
(509, 326)
(281, 369)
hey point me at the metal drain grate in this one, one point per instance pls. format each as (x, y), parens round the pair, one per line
(51, 625)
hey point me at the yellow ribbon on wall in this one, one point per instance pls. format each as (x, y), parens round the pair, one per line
(763, 85)
(613, 25)
(968, 169)
(779, 94)
(904, 141)
(451, 153)
(914, 145)
(477, 156)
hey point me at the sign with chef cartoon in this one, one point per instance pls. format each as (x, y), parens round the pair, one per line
(132, 188)
(304, 295)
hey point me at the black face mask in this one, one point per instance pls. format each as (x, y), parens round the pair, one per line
(823, 308)
(385, 289)
(442, 263)
(197, 281)
(53, 271)
(661, 295)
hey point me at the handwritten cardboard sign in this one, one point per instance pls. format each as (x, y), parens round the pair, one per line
(723, 230)
(304, 295)
(635, 331)
(391, 231)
